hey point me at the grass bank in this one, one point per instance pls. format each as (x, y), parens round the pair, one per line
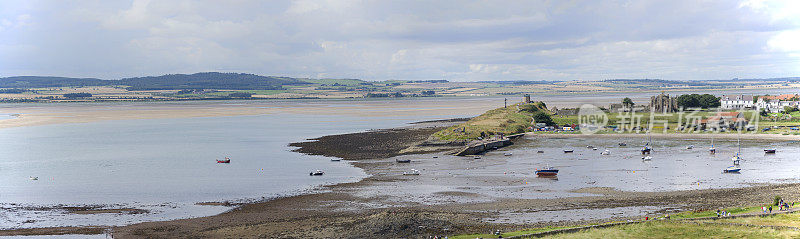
(509, 120)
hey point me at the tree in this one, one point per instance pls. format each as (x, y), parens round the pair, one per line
(627, 102)
(694, 101)
(708, 101)
(542, 117)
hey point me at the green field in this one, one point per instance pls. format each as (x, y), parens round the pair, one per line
(675, 228)
(509, 120)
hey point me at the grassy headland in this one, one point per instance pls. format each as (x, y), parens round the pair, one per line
(509, 120)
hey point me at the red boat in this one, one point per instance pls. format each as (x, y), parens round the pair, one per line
(226, 160)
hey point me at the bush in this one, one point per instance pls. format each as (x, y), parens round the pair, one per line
(777, 200)
(77, 95)
(543, 117)
(529, 108)
(240, 95)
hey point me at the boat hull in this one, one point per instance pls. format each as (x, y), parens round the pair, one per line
(769, 151)
(546, 172)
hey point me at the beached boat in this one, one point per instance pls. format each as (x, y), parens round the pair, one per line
(589, 146)
(316, 173)
(403, 160)
(623, 144)
(336, 159)
(732, 169)
(33, 178)
(540, 151)
(226, 160)
(770, 151)
(412, 172)
(690, 147)
(568, 151)
(550, 171)
(594, 148)
(476, 157)
(647, 158)
(606, 152)
(507, 154)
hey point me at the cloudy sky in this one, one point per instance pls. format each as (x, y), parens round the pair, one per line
(411, 40)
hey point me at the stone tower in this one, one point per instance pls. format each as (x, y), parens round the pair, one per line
(527, 98)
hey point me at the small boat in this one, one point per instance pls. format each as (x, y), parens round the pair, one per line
(507, 154)
(732, 169)
(34, 178)
(623, 144)
(568, 151)
(770, 151)
(646, 150)
(550, 171)
(540, 151)
(589, 146)
(476, 157)
(336, 159)
(226, 160)
(316, 173)
(647, 158)
(690, 147)
(594, 148)
(606, 152)
(736, 158)
(403, 160)
(412, 172)
(436, 157)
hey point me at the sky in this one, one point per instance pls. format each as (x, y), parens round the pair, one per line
(458, 40)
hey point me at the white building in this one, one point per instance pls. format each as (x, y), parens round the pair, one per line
(777, 103)
(737, 102)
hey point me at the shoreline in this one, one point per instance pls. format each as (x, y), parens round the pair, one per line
(340, 209)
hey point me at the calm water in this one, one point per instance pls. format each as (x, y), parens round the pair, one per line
(168, 165)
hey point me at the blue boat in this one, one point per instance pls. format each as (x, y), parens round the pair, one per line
(547, 172)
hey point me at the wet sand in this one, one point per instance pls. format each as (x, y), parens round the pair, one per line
(389, 204)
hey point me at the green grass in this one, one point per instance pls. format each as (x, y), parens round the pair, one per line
(501, 120)
(509, 234)
(713, 213)
(667, 229)
(791, 220)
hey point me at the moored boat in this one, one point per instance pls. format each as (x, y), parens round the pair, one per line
(403, 160)
(507, 154)
(226, 160)
(34, 178)
(647, 158)
(732, 169)
(336, 159)
(623, 144)
(550, 171)
(606, 152)
(568, 151)
(316, 173)
(770, 151)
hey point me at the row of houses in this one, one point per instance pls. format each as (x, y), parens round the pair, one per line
(769, 103)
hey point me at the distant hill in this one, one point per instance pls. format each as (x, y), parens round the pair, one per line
(50, 81)
(206, 80)
(209, 80)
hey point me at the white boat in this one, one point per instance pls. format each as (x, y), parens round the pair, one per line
(476, 157)
(336, 159)
(34, 178)
(412, 172)
(712, 149)
(736, 158)
(690, 147)
(647, 158)
(732, 169)
(507, 154)
(606, 152)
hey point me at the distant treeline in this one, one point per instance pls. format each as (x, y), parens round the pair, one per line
(207, 80)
